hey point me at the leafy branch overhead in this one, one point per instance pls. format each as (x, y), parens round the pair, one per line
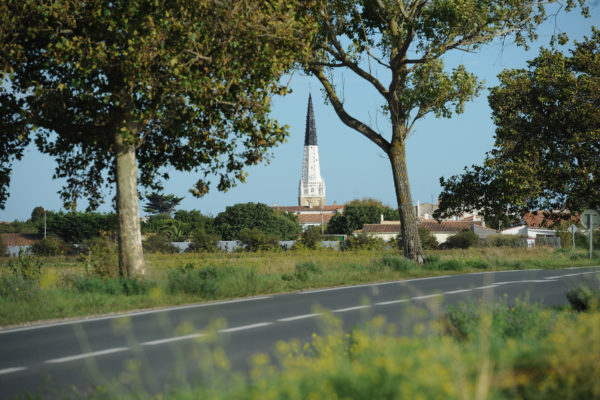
(397, 47)
(547, 139)
(190, 87)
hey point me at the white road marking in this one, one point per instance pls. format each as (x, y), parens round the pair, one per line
(173, 339)
(11, 370)
(132, 314)
(297, 317)
(579, 273)
(385, 303)
(244, 327)
(526, 281)
(86, 355)
(429, 296)
(372, 284)
(458, 291)
(485, 287)
(339, 310)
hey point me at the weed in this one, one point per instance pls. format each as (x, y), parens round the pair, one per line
(27, 267)
(584, 298)
(398, 263)
(519, 320)
(306, 269)
(115, 286)
(187, 279)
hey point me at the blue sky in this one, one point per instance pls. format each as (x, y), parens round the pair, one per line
(351, 166)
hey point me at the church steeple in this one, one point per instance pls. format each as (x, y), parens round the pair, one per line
(310, 136)
(312, 187)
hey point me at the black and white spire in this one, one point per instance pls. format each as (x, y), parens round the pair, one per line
(312, 187)
(310, 136)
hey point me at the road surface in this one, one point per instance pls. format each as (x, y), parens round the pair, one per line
(144, 351)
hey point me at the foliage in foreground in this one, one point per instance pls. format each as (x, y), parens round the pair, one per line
(517, 351)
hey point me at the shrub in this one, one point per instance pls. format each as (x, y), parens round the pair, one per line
(584, 298)
(16, 288)
(428, 241)
(519, 320)
(361, 242)
(398, 263)
(312, 237)
(26, 267)
(304, 270)
(463, 240)
(187, 279)
(102, 257)
(504, 240)
(255, 240)
(51, 246)
(477, 264)
(204, 242)
(116, 286)
(159, 243)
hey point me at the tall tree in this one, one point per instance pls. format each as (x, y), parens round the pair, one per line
(130, 87)
(359, 212)
(547, 143)
(157, 203)
(397, 46)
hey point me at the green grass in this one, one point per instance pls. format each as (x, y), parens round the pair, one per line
(64, 290)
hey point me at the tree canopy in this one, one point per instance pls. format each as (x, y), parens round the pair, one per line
(547, 143)
(110, 88)
(157, 203)
(359, 212)
(397, 47)
(231, 222)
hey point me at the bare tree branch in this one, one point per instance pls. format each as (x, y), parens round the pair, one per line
(346, 118)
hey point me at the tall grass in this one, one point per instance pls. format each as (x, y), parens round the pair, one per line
(65, 288)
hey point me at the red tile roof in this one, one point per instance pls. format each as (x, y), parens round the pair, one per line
(546, 219)
(19, 239)
(381, 228)
(301, 209)
(447, 226)
(314, 218)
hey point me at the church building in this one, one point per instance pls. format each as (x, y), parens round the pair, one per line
(311, 209)
(311, 191)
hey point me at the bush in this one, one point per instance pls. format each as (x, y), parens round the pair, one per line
(584, 298)
(519, 320)
(361, 242)
(463, 240)
(255, 240)
(398, 263)
(52, 246)
(312, 237)
(159, 243)
(102, 257)
(504, 240)
(304, 270)
(187, 279)
(116, 286)
(26, 267)
(204, 242)
(16, 288)
(428, 241)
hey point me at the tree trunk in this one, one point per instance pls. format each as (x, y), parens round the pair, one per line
(131, 256)
(408, 220)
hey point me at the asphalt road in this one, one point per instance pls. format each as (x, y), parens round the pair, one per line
(146, 351)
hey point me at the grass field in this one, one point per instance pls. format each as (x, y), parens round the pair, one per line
(65, 287)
